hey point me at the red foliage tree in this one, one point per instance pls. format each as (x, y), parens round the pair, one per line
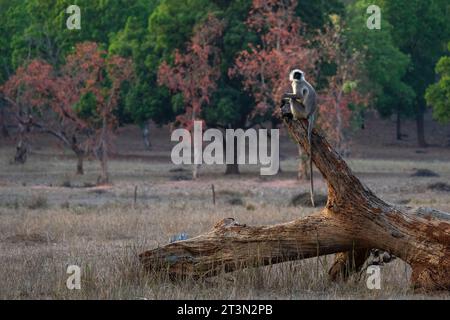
(194, 73)
(343, 87)
(264, 67)
(91, 73)
(32, 92)
(53, 103)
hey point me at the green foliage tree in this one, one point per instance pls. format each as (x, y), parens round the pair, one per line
(438, 94)
(150, 39)
(35, 29)
(315, 13)
(11, 22)
(46, 35)
(421, 30)
(385, 65)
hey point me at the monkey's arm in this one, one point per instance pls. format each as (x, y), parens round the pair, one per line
(288, 95)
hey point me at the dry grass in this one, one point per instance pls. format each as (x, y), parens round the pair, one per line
(50, 219)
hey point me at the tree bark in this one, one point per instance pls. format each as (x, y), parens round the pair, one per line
(5, 131)
(146, 135)
(4, 128)
(80, 157)
(21, 151)
(104, 176)
(399, 126)
(103, 155)
(23, 143)
(232, 168)
(353, 220)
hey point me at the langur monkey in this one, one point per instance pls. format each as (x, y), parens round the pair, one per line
(302, 103)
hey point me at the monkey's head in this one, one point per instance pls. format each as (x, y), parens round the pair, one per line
(296, 74)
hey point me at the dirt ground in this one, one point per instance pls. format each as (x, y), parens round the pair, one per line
(50, 218)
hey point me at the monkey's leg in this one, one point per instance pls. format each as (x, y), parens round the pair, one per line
(286, 109)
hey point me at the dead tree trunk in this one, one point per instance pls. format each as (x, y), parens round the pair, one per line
(354, 219)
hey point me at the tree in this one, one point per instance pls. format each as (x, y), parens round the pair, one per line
(263, 67)
(144, 100)
(384, 64)
(76, 105)
(343, 89)
(421, 31)
(438, 94)
(195, 73)
(97, 79)
(230, 106)
(46, 36)
(12, 22)
(315, 14)
(35, 29)
(29, 92)
(150, 38)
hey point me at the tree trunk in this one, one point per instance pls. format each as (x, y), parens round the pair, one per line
(103, 154)
(421, 128)
(104, 176)
(146, 135)
(354, 219)
(80, 157)
(232, 168)
(398, 127)
(5, 132)
(79, 152)
(21, 151)
(195, 168)
(4, 128)
(23, 143)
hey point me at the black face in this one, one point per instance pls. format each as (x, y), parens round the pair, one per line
(298, 76)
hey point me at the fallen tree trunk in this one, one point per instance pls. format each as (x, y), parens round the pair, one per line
(353, 220)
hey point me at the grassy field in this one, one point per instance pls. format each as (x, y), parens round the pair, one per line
(51, 218)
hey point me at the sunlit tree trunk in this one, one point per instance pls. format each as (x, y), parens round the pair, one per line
(146, 135)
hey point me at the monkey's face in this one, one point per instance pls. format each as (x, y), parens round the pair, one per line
(296, 74)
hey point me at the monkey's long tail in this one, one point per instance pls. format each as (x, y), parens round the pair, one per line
(311, 178)
(312, 181)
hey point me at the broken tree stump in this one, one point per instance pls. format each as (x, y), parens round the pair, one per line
(353, 220)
